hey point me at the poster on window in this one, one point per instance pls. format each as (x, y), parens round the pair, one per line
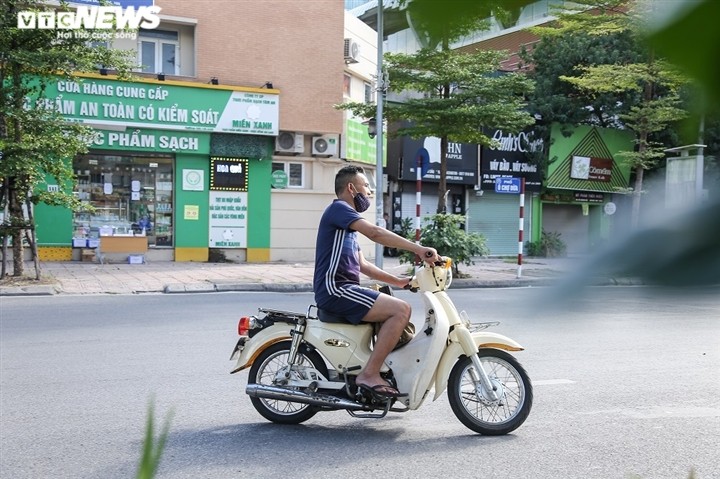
(228, 219)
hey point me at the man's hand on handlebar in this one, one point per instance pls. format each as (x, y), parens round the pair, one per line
(430, 255)
(412, 284)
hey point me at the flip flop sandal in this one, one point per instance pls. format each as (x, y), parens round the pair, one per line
(380, 391)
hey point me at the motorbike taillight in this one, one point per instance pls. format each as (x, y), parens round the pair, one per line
(244, 325)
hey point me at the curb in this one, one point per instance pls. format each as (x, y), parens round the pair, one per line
(39, 290)
(265, 287)
(188, 288)
(176, 288)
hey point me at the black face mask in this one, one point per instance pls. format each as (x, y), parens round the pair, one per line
(362, 203)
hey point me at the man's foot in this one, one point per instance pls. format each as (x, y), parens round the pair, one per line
(380, 391)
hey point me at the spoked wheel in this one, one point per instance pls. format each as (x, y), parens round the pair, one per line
(264, 370)
(475, 408)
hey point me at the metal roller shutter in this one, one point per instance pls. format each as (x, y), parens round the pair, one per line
(496, 217)
(428, 205)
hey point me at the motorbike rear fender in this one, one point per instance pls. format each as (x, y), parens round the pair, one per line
(482, 339)
(259, 343)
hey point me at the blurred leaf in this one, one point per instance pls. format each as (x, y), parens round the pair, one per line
(692, 42)
(152, 452)
(435, 21)
(683, 250)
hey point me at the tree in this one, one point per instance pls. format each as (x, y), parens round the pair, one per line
(443, 232)
(460, 94)
(555, 101)
(690, 40)
(658, 108)
(628, 87)
(35, 140)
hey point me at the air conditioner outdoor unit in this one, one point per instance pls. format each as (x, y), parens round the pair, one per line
(351, 51)
(326, 145)
(290, 142)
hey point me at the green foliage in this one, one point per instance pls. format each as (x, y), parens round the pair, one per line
(558, 101)
(452, 95)
(549, 246)
(152, 451)
(434, 22)
(644, 86)
(461, 93)
(443, 232)
(406, 229)
(690, 40)
(592, 17)
(35, 139)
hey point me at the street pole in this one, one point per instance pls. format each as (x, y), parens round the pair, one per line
(521, 227)
(379, 189)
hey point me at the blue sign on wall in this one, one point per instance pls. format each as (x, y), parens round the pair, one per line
(507, 185)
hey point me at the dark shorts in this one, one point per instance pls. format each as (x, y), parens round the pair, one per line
(353, 303)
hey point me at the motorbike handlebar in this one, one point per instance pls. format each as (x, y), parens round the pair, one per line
(409, 286)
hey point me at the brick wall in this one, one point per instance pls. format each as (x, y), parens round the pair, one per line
(296, 45)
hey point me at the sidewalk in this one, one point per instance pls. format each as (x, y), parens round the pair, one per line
(170, 277)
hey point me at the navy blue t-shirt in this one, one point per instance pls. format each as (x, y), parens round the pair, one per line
(337, 253)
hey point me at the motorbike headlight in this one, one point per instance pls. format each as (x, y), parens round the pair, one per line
(448, 272)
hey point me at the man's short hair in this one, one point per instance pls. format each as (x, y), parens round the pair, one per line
(346, 175)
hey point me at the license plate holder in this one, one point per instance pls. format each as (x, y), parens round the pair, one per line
(239, 347)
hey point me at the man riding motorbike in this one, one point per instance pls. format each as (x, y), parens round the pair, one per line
(339, 262)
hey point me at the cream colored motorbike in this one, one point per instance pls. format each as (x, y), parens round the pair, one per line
(300, 365)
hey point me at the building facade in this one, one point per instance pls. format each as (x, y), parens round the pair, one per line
(227, 141)
(581, 211)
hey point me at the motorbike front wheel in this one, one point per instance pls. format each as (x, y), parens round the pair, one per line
(473, 406)
(264, 370)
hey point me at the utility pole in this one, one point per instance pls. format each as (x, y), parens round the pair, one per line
(380, 92)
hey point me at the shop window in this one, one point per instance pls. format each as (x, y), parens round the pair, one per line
(295, 173)
(129, 195)
(158, 52)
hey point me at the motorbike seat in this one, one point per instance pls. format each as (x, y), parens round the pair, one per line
(328, 317)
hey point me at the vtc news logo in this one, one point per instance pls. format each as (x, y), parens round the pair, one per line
(93, 17)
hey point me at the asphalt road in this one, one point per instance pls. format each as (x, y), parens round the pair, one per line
(627, 384)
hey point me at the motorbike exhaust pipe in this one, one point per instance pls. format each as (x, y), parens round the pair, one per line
(292, 395)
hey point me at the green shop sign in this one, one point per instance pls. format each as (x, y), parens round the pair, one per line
(359, 146)
(588, 159)
(163, 105)
(279, 179)
(152, 140)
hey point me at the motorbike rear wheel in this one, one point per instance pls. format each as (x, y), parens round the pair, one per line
(473, 406)
(264, 370)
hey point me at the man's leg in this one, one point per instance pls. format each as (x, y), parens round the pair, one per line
(394, 314)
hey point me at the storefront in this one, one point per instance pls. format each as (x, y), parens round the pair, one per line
(494, 214)
(179, 164)
(585, 177)
(405, 155)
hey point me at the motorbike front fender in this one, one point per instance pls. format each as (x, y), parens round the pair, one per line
(254, 346)
(482, 339)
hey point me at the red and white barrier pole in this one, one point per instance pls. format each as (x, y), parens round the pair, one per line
(418, 195)
(521, 228)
